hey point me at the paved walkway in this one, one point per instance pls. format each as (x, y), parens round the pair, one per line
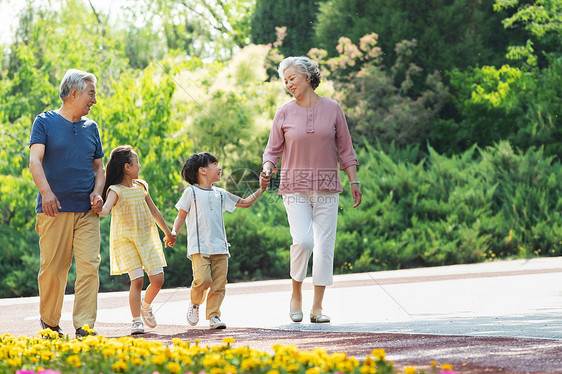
(458, 313)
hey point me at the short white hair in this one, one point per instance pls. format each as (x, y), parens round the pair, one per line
(305, 66)
(75, 79)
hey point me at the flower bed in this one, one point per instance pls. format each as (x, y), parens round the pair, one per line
(48, 354)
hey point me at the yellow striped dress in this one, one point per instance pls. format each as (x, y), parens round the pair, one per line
(134, 241)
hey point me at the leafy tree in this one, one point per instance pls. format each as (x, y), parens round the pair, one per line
(490, 101)
(376, 101)
(521, 104)
(230, 105)
(449, 34)
(298, 17)
(542, 19)
(130, 104)
(206, 29)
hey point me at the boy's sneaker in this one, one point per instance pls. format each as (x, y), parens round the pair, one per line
(137, 328)
(216, 323)
(193, 314)
(148, 317)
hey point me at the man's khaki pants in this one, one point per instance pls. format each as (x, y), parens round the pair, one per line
(209, 272)
(59, 238)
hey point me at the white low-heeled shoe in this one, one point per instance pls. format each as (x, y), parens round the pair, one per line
(296, 315)
(319, 318)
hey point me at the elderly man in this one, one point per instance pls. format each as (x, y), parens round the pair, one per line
(66, 164)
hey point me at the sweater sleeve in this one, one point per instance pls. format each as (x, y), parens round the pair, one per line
(346, 154)
(276, 142)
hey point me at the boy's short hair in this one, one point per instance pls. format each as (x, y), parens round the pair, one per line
(190, 169)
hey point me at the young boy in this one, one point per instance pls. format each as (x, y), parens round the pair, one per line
(207, 247)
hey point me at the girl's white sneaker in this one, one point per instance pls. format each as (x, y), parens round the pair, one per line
(148, 317)
(137, 328)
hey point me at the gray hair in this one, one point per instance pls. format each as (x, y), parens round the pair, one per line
(304, 66)
(75, 80)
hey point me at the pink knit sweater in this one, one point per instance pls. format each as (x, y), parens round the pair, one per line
(312, 142)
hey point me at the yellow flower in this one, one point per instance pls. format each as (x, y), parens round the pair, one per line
(159, 359)
(368, 369)
(79, 346)
(108, 352)
(306, 357)
(74, 360)
(174, 367)
(379, 354)
(48, 334)
(15, 362)
(446, 367)
(140, 355)
(353, 362)
(137, 361)
(91, 340)
(338, 357)
(119, 366)
(87, 328)
(187, 361)
(349, 365)
(247, 364)
(292, 367)
(410, 370)
(313, 370)
(212, 359)
(47, 355)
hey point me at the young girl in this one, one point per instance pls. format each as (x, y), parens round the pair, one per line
(135, 245)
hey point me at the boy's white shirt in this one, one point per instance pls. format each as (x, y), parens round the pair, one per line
(209, 222)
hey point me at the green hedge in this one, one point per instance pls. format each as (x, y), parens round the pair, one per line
(480, 205)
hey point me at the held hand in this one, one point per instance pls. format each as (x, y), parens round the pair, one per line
(51, 205)
(264, 180)
(170, 240)
(267, 169)
(97, 202)
(356, 194)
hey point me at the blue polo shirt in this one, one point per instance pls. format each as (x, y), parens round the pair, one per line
(70, 149)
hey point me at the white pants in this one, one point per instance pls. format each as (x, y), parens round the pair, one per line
(313, 218)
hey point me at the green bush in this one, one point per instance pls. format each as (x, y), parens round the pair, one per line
(477, 205)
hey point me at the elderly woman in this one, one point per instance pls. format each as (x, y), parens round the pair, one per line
(311, 134)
